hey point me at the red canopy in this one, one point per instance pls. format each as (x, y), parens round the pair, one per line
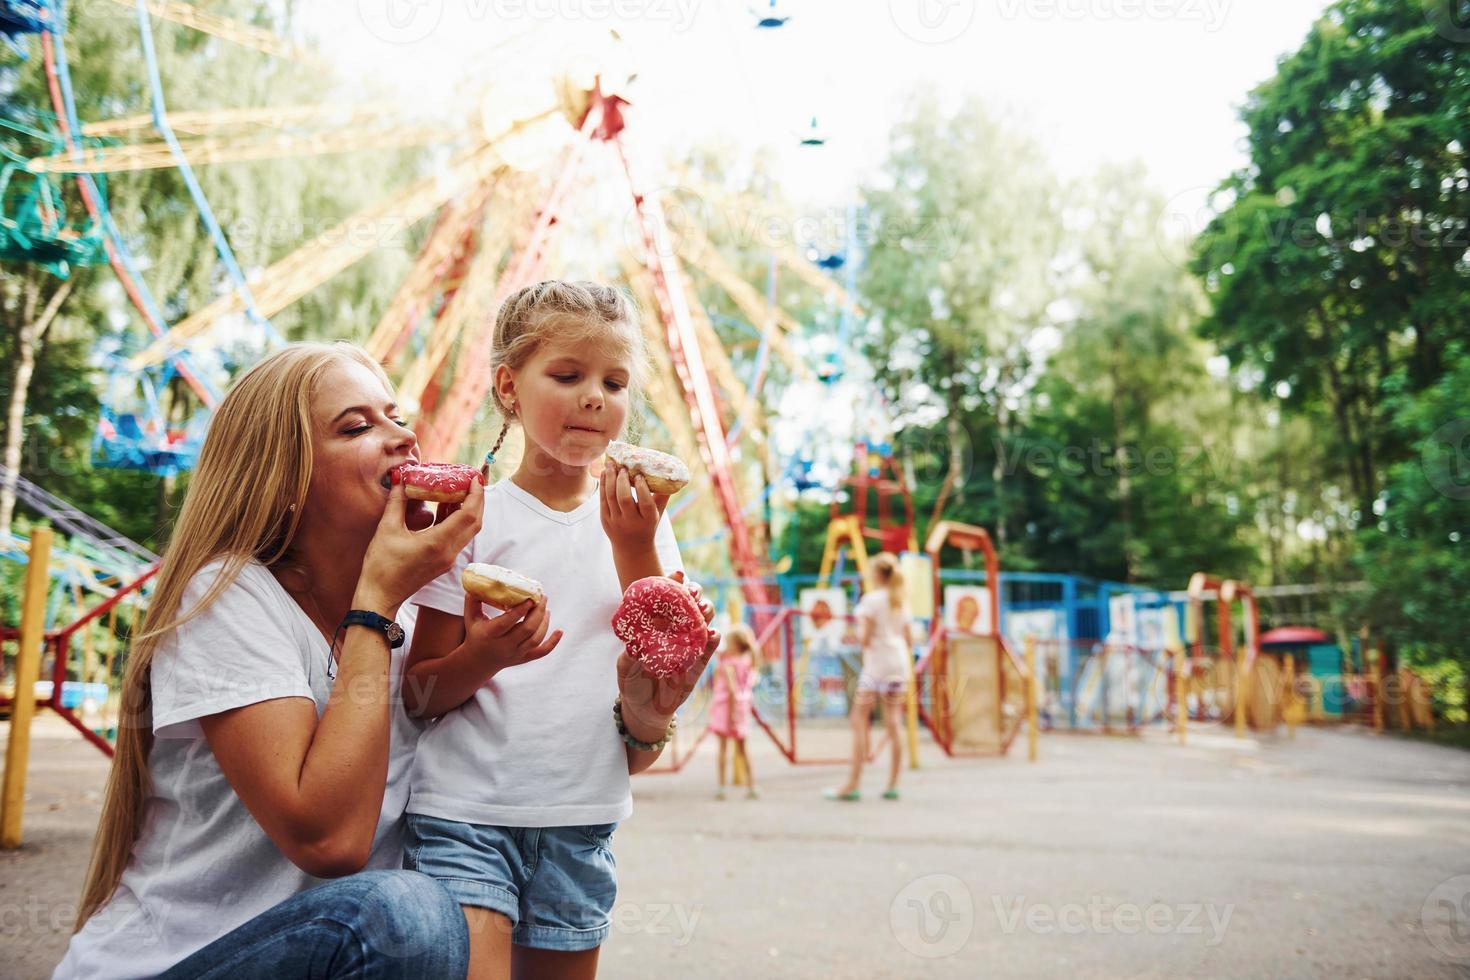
(1293, 636)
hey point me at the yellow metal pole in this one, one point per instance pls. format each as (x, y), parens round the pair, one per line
(1032, 711)
(911, 718)
(27, 667)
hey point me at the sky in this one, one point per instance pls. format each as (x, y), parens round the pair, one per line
(1092, 80)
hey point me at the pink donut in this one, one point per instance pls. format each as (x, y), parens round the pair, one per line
(661, 625)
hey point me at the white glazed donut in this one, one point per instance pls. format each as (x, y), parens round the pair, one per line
(663, 473)
(497, 586)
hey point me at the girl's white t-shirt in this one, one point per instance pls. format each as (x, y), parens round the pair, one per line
(536, 745)
(202, 866)
(887, 656)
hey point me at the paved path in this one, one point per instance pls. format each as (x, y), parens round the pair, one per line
(1330, 855)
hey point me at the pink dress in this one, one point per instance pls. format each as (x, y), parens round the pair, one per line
(722, 721)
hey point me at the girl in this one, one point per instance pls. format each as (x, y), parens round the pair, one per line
(884, 630)
(519, 785)
(736, 672)
(245, 774)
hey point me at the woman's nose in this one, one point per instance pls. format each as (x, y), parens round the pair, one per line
(404, 440)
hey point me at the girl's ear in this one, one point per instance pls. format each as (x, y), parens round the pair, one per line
(505, 387)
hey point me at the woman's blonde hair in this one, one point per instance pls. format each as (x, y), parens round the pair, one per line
(244, 502)
(572, 313)
(888, 575)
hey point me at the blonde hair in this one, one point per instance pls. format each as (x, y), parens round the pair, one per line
(888, 575)
(244, 502)
(569, 312)
(741, 639)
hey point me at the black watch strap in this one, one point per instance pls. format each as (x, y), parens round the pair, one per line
(363, 617)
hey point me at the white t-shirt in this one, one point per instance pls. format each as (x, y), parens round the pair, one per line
(887, 656)
(202, 866)
(536, 745)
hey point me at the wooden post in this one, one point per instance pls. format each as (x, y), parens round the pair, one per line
(1377, 673)
(1032, 711)
(1242, 691)
(27, 668)
(1290, 702)
(1181, 694)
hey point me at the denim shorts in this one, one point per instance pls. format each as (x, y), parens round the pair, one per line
(884, 688)
(556, 885)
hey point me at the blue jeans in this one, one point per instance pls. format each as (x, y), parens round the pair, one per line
(377, 925)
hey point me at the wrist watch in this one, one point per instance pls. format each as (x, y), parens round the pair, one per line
(391, 631)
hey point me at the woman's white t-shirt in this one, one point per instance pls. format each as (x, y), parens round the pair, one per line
(536, 745)
(202, 866)
(887, 656)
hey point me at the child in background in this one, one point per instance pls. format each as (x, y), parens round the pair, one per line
(518, 786)
(885, 632)
(736, 672)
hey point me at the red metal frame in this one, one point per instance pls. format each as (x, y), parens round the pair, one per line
(891, 534)
(444, 433)
(934, 664)
(59, 640)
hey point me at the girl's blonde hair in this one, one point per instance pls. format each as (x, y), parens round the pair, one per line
(741, 639)
(244, 502)
(888, 575)
(570, 313)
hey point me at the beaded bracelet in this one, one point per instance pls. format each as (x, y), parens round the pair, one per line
(641, 746)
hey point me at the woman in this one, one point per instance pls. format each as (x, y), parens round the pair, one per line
(885, 632)
(268, 748)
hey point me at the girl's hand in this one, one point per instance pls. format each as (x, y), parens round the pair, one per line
(630, 521)
(649, 702)
(697, 591)
(400, 561)
(515, 637)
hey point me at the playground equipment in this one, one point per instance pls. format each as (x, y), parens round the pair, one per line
(36, 223)
(491, 234)
(98, 573)
(979, 693)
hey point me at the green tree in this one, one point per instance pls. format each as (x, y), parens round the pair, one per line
(267, 209)
(965, 228)
(1415, 558)
(1338, 264)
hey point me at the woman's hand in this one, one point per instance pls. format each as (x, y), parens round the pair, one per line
(517, 636)
(630, 521)
(649, 702)
(400, 561)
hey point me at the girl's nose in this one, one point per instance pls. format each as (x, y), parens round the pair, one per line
(592, 397)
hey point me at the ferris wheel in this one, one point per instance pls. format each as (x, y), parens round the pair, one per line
(492, 221)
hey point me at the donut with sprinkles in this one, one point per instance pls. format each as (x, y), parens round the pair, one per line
(661, 625)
